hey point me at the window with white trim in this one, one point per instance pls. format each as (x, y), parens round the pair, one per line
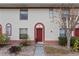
(23, 33)
(23, 14)
(65, 12)
(8, 29)
(62, 32)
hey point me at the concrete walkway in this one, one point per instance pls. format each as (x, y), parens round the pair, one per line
(39, 51)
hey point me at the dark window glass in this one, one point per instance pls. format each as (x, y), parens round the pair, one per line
(8, 29)
(24, 14)
(65, 13)
(62, 32)
(23, 33)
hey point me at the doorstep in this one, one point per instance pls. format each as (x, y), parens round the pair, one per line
(40, 42)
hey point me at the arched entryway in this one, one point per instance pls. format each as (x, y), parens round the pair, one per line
(39, 32)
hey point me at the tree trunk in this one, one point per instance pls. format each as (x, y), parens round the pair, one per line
(68, 34)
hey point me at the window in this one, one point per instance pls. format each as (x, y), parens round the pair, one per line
(62, 32)
(23, 33)
(24, 14)
(8, 29)
(51, 13)
(65, 12)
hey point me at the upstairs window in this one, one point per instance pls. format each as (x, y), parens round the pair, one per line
(8, 29)
(65, 12)
(23, 14)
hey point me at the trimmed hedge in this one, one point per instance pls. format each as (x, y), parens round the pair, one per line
(76, 45)
(72, 41)
(63, 41)
(4, 39)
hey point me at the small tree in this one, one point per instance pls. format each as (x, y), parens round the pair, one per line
(69, 21)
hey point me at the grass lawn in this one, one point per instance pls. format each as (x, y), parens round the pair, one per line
(55, 51)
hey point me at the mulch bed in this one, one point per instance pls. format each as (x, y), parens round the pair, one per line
(26, 51)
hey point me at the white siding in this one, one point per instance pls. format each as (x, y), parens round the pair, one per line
(10, 16)
(34, 16)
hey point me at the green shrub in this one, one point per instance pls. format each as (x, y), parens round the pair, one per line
(15, 49)
(62, 41)
(4, 38)
(72, 41)
(76, 45)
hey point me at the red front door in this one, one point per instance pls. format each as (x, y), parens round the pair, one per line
(39, 35)
(77, 32)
